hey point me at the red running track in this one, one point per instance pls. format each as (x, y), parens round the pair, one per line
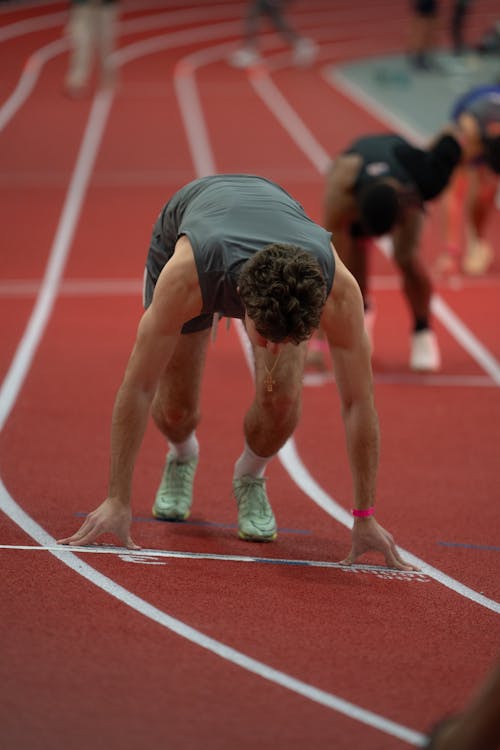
(205, 648)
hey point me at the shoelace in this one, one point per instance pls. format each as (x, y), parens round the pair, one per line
(247, 494)
(178, 474)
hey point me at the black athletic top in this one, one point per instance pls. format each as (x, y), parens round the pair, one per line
(380, 159)
(422, 172)
(227, 219)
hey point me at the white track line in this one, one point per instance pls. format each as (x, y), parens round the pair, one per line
(58, 255)
(378, 570)
(8, 395)
(88, 287)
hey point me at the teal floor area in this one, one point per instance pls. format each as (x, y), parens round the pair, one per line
(413, 102)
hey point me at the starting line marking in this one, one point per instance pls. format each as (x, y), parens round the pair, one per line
(145, 555)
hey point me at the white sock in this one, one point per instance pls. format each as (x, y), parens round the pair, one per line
(249, 464)
(186, 450)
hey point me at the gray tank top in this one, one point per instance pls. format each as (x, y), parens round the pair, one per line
(227, 219)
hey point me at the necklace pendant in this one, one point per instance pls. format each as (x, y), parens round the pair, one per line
(269, 383)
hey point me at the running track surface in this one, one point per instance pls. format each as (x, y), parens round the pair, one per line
(198, 641)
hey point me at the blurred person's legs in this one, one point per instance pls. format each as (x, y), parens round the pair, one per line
(417, 288)
(458, 19)
(92, 30)
(80, 30)
(304, 50)
(106, 39)
(249, 55)
(422, 33)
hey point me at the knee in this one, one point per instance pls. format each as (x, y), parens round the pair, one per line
(282, 406)
(171, 419)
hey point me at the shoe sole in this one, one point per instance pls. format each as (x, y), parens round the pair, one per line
(162, 517)
(254, 538)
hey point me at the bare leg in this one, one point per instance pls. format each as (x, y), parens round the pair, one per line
(176, 412)
(106, 41)
(176, 405)
(417, 285)
(81, 32)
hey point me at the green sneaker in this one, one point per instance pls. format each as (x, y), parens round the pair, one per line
(175, 493)
(255, 516)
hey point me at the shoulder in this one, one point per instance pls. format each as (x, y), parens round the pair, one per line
(345, 290)
(343, 312)
(178, 281)
(344, 170)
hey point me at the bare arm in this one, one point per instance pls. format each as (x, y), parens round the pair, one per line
(339, 203)
(343, 324)
(177, 298)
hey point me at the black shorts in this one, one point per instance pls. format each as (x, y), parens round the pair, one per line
(200, 323)
(425, 7)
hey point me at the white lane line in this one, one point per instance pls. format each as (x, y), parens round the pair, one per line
(38, 59)
(470, 342)
(194, 122)
(315, 379)
(30, 25)
(16, 287)
(8, 397)
(285, 113)
(378, 570)
(72, 287)
(28, 79)
(150, 22)
(58, 255)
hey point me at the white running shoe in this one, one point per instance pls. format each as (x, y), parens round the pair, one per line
(304, 52)
(245, 58)
(175, 493)
(478, 258)
(256, 522)
(425, 356)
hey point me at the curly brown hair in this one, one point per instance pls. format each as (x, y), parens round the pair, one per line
(283, 290)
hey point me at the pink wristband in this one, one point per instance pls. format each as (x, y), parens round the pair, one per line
(363, 513)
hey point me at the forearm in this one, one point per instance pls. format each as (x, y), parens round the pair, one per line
(478, 209)
(130, 415)
(363, 446)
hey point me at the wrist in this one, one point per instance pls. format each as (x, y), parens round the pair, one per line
(363, 512)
